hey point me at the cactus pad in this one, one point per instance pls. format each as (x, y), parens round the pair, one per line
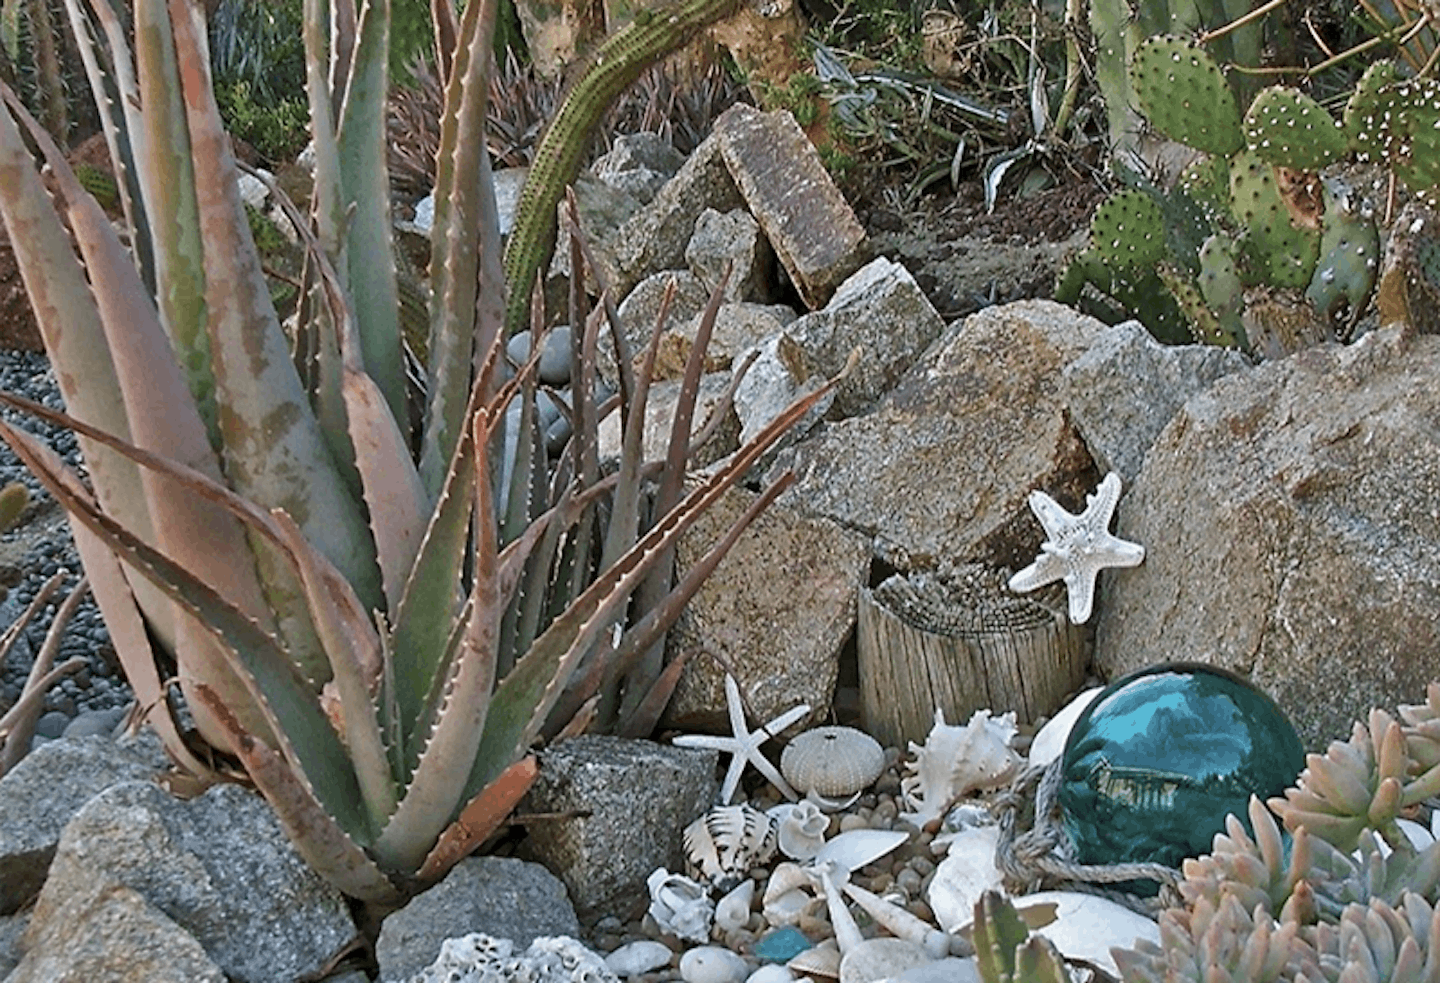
(1397, 124)
(1127, 231)
(1287, 128)
(1277, 253)
(1349, 261)
(1207, 182)
(1184, 95)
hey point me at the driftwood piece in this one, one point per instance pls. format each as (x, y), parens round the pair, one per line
(961, 645)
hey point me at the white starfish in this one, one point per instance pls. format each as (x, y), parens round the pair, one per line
(1077, 547)
(744, 744)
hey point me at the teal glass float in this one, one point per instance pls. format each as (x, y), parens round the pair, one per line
(1161, 756)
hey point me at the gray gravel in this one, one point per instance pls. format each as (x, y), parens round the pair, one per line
(100, 687)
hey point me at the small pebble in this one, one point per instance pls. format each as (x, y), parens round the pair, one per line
(51, 724)
(635, 958)
(712, 964)
(908, 880)
(853, 821)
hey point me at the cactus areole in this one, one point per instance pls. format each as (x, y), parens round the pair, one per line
(1162, 755)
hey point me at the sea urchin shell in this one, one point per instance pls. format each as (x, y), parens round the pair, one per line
(832, 761)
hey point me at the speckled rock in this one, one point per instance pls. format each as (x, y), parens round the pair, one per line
(42, 792)
(217, 866)
(637, 796)
(116, 935)
(777, 610)
(731, 237)
(942, 467)
(1292, 534)
(498, 896)
(1123, 391)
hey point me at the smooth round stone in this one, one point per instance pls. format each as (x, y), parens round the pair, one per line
(712, 964)
(1161, 756)
(638, 957)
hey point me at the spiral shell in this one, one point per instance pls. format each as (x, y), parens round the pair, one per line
(727, 841)
(832, 761)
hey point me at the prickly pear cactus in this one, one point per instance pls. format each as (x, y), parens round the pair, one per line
(1349, 260)
(1127, 231)
(1183, 94)
(1276, 252)
(1286, 128)
(1396, 122)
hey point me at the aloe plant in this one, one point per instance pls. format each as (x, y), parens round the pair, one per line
(354, 613)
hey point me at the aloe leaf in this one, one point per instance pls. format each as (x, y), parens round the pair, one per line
(191, 530)
(353, 648)
(526, 695)
(303, 732)
(325, 845)
(168, 180)
(74, 338)
(465, 246)
(453, 735)
(481, 816)
(274, 451)
(365, 181)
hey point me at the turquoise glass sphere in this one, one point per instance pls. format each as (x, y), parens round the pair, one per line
(1161, 756)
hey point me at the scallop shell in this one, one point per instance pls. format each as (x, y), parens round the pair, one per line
(727, 841)
(832, 761)
(820, 961)
(955, 760)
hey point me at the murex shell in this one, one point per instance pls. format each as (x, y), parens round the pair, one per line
(727, 841)
(832, 761)
(956, 760)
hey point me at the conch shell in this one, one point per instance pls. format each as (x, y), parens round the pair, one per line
(956, 760)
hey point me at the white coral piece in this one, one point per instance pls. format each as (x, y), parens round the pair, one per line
(956, 760)
(480, 958)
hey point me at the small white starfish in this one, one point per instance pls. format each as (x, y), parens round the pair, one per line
(1077, 547)
(744, 744)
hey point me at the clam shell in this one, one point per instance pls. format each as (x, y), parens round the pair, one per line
(821, 961)
(727, 841)
(879, 959)
(832, 761)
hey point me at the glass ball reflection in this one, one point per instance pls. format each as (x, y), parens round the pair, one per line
(1161, 756)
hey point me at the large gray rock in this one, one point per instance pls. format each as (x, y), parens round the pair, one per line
(639, 163)
(218, 866)
(660, 406)
(47, 787)
(1291, 532)
(942, 467)
(113, 935)
(810, 225)
(777, 611)
(880, 311)
(1123, 391)
(499, 896)
(11, 928)
(632, 799)
(731, 238)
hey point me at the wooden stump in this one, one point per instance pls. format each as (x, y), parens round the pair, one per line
(962, 645)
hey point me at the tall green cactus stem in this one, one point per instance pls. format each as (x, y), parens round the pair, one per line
(1277, 253)
(1349, 259)
(612, 68)
(1184, 95)
(1116, 33)
(1286, 128)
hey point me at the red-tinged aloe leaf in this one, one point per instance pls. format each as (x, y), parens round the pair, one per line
(365, 190)
(168, 180)
(317, 837)
(274, 450)
(480, 818)
(467, 280)
(353, 647)
(293, 714)
(527, 694)
(642, 721)
(452, 734)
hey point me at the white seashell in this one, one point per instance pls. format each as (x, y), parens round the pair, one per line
(832, 762)
(771, 973)
(640, 956)
(967, 872)
(820, 962)
(679, 905)
(728, 841)
(879, 959)
(787, 907)
(712, 964)
(733, 910)
(955, 760)
(1087, 926)
(799, 828)
(853, 850)
(847, 933)
(1050, 740)
(948, 970)
(901, 923)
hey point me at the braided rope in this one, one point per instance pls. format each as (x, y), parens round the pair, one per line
(1043, 856)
